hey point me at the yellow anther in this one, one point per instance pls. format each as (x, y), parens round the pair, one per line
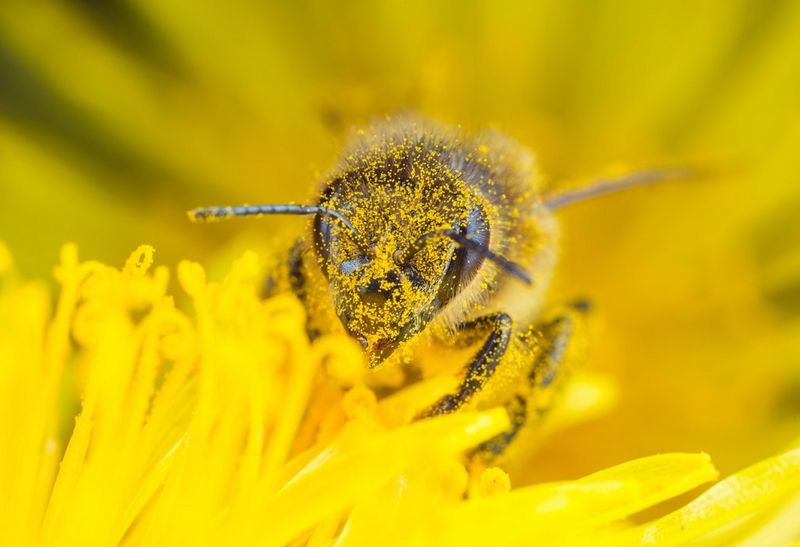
(191, 276)
(359, 402)
(139, 260)
(493, 481)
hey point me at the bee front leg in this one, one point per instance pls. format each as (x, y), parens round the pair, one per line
(297, 279)
(557, 346)
(483, 364)
(291, 274)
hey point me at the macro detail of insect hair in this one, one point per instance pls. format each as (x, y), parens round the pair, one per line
(211, 214)
(602, 187)
(466, 242)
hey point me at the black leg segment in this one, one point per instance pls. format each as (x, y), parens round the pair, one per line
(297, 280)
(556, 346)
(483, 364)
(517, 409)
(292, 273)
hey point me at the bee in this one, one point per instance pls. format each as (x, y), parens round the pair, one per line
(420, 234)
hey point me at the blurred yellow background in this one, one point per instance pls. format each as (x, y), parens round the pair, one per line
(116, 117)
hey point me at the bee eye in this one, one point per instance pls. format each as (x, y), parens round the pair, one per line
(349, 266)
(477, 229)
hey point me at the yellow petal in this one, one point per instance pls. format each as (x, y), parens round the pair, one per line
(535, 513)
(750, 490)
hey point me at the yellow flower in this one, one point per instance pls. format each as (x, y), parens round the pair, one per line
(226, 426)
(115, 117)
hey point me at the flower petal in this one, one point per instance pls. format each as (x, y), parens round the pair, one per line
(764, 483)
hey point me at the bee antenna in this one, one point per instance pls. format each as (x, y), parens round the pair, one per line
(212, 214)
(480, 248)
(602, 187)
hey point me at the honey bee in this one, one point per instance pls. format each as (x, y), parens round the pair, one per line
(422, 234)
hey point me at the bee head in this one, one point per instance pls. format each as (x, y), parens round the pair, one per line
(400, 265)
(400, 229)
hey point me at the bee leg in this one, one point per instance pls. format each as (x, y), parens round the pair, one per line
(293, 273)
(297, 280)
(517, 409)
(556, 348)
(483, 363)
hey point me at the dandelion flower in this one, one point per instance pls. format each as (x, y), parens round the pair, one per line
(144, 406)
(130, 420)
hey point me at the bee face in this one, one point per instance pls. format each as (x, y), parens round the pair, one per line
(380, 301)
(384, 286)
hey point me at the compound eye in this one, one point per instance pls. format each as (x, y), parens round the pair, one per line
(336, 248)
(477, 229)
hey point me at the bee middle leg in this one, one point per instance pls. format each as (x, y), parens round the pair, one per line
(556, 346)
(483, 364)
